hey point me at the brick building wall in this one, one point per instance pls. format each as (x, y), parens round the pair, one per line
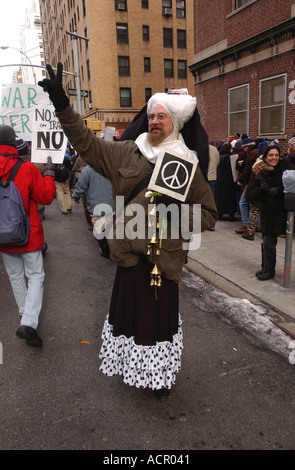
(245, 48)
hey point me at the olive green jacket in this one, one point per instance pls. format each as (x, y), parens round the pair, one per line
(124, 165)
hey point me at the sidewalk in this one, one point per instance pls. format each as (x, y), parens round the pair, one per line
(229, 262)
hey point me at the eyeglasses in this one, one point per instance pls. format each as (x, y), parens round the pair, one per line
(160, 117)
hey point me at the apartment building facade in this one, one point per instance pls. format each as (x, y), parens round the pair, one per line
(244, 68)
(127, 51)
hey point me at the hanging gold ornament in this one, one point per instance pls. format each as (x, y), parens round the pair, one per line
(153, 240)
(155, 276)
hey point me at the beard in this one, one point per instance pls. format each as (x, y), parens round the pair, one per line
(156, 139)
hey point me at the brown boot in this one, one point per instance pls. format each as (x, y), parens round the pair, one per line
(241, 230)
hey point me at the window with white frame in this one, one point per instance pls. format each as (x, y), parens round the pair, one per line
(272, 105)
(238, 109)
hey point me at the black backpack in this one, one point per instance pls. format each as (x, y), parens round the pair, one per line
(14, 222)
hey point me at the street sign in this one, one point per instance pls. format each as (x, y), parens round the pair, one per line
(73, 92)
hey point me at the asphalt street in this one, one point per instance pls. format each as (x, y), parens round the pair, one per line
(232, 393)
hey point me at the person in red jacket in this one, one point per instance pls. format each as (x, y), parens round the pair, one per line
(24, 264)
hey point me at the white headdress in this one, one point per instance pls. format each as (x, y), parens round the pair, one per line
(181, 108)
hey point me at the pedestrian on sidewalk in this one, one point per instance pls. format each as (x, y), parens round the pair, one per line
(225, 190)
(24, 264)
(268, 190)
(142, 334)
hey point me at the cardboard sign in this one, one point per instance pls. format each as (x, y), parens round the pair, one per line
(18, 101)
(48, 138)
(173, 174)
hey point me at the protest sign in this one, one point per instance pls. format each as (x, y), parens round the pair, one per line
(172, 175)
(48, 138)
(17, 103)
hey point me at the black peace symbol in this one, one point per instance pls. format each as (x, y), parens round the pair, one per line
(179, 176)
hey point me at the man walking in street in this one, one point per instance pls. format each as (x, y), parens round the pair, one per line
(24, 263)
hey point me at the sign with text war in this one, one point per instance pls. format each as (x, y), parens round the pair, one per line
(18, 101)
(48, 138)
(172, 175)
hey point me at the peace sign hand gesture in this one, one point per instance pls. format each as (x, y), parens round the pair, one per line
(53, 86)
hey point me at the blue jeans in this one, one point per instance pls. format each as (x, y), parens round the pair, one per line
(26, 275)
(244, 208)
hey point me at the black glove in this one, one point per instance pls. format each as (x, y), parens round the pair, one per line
(49, 168)
(54, 88)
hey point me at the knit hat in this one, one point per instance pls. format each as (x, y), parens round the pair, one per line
(7, 135)
(22, 147)
(262, 146)
(248, 142)
(292, 141)
(180, 107)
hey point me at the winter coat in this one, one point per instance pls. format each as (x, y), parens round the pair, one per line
(98, 190)
(34, 189)
(124, 165)
(273, 216)
(225, 189)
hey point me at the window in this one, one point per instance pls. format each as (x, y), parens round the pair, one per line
(147, 64)
(238, 110)
(272, 105)
(180, 9)
(240, 3)
(148, 94)
(123, 66)
(181, 39)
(145, 33)
(182, 69)
(167, 37)
(84, 8)
(121, 5)
(125, 97)
(122, 33)
(144, 3)
(168, 68)
(167, 7)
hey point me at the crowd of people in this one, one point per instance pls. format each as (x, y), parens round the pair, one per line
(249, 183)
(142, 334)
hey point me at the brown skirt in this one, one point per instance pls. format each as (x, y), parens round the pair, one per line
(142, 335)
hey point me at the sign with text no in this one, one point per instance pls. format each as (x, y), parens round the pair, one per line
(48, 138)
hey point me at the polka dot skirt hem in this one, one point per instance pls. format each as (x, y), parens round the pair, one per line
(141, 366)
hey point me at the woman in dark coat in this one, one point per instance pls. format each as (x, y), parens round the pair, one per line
(267, 188)
(225, 191)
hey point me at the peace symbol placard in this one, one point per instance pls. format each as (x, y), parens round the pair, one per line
(172, 175)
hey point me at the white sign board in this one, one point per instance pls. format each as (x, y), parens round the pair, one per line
(173, 174)
(17, 103)
(48, 138)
